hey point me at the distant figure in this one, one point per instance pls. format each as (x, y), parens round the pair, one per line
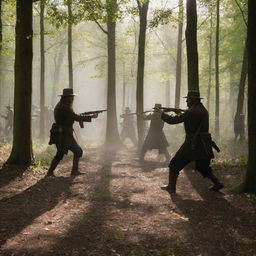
(155, 138)
(8, 121)
(197, 145)
(62, 132)
(128, 129)
(239, 127)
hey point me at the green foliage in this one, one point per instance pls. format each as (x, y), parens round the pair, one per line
(161, 17)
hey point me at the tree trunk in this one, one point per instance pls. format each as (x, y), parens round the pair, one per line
(239, 124)
(210, 64)
(112, 135)
(143, 10)
(1, 28)
(167, 93)
(250, 179)
(1, 47)
(124, 87)
(58, 59)
(191, 42)
(22, 146)
(179, 56)
(70, 60)
(42, 74)
(217, 82)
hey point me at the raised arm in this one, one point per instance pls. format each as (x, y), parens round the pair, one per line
(175, 119)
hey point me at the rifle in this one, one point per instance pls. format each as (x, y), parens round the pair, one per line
(137, 113)
(81, 123)
(170, 109)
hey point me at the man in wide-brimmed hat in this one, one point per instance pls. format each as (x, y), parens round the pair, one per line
(128, 129)
(197, 145)
(62, 131)
(155, 138)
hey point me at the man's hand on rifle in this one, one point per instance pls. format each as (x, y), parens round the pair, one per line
(177, 111)
(159, 110)
(95, 115)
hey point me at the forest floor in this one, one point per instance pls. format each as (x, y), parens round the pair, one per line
(117, 208)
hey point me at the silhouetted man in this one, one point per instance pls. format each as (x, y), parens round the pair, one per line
(155, 138)
(62, 132)
(128, 130)
(8, 121)
(197, 145)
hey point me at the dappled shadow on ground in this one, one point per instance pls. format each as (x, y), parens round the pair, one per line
(123, 212)
(19, 211)
(13, 173)
(219, 225)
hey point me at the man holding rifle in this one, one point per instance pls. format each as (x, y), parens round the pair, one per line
(155, 138)
(197, 145)
(62, 131)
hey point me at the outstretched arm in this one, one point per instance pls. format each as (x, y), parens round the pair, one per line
(175, 119)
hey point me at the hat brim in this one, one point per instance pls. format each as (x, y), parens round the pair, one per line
(68, 95)
(192, 97)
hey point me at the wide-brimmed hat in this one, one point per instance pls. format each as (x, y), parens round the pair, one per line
(67, 92)
(193, 94)
(158, 105)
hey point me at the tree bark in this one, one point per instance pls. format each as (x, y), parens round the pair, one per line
(217, 82)
(210, 64)
(112, 135)
(124, 87)
(191, 43)
(70, 57)
(143, 10)
(250, 179)
(21, 153)
(179, 56)
(42, 73)
(239, 124)
(58, 59)
(1, 27)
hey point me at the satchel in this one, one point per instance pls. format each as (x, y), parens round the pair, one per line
(55, 134)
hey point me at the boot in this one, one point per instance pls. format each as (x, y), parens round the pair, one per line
(217, 185)
(171, 187)
(52, 167)
(75, 167)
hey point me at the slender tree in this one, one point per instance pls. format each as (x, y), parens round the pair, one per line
(210, 60)
(143, 10)
(70, 58)
(1, 47)
(179, 56)
(21, 153)
(191, 43)
(124, 87)
(239, 120)
(250, 179)
(112, 135)
(42, 71)
(217, 82)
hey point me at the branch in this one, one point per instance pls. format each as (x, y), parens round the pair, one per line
(242, 12)
(139, 5)
(104, 31)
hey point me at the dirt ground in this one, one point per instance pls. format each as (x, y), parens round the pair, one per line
(117, 208)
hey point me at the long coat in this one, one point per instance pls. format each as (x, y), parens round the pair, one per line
(155, 138)
(198, 142)
(62, 130)
(128, 130)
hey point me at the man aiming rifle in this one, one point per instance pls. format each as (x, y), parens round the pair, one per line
(62, 131)
(197, 145)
